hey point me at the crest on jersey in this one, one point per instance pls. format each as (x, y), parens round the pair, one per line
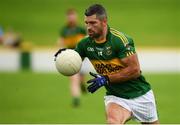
(108, 50)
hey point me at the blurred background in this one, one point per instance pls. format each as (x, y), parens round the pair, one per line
(32, 91)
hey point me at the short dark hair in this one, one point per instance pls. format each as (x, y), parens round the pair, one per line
(97, 9)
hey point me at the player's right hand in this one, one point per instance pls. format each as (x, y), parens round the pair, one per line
(97, 82)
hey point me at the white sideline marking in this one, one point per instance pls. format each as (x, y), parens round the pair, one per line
(43, 61)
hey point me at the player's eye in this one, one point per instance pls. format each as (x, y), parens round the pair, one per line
(93, 22)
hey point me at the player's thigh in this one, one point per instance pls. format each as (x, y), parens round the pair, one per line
(117, 114)
(82, 77)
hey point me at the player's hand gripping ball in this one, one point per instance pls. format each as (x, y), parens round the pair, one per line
(68, 62)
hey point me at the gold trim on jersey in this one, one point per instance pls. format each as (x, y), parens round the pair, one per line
(106, 67)
(120, 35)
(123, 38)
(129, 53)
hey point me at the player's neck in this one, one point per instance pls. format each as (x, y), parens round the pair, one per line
(102, 38)
(72, 24)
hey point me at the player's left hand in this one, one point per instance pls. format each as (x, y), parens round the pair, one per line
(97, 82)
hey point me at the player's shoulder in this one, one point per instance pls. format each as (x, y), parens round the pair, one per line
(62, 31)
(85, 40)
(120, 37)
(80, 27)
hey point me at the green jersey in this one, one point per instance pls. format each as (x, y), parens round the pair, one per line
(106, 59)
(72, 35)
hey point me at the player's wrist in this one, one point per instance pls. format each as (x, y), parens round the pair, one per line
(107, 79)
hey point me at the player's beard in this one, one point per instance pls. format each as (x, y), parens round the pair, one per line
(95, 34)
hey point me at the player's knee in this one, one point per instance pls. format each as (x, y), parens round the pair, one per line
(113, 119)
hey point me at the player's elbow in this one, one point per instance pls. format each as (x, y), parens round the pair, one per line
(136, 72)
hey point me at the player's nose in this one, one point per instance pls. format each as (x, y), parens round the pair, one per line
(89, 27)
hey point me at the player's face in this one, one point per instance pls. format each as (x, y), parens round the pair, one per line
(72, 18)
(94, 26)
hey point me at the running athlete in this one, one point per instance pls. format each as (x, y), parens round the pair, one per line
(113, 55)
(70, 35)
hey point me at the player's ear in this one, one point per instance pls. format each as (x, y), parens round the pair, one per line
(104, 22)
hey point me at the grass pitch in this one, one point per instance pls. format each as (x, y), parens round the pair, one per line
(28, 97)
(149, 22)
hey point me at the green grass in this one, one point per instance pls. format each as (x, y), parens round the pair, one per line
(27, 97)
(149, 22)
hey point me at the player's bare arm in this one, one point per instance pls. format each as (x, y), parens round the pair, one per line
(131, 70)
(61, 43)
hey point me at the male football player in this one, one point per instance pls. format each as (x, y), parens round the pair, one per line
(113, 55)
(70, 35)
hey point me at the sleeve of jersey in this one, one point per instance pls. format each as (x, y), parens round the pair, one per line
(80, 49)
(126, 47)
